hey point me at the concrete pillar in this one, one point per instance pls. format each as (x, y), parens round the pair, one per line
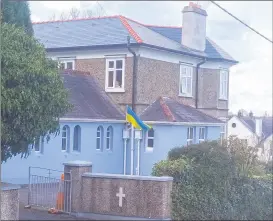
(73, 171)
(9, 202)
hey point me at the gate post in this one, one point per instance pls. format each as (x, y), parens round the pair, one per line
(75, 169)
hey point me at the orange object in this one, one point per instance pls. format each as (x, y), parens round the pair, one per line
(60, 195)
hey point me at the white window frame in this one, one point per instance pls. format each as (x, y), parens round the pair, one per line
(114, 89)
(67, 137)
(190, 140)
(40, 145)
(223, 89)
(79, 140)
(150, 149)
(67, 60)
(187, 76)
(109, 137)
(205, 132)
(100, 137)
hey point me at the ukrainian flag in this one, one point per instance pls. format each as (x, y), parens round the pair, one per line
(132, 118)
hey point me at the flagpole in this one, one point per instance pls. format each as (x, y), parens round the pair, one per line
(132, 149)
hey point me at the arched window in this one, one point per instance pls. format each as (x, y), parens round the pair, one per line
(77, 138)
(39, 145)
(65, 138)
(109, 138)
(99, 138)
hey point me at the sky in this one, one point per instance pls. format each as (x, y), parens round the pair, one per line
(250, 81)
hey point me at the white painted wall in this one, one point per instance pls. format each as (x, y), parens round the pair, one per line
(241, 131)
(145, 52)
(264, 153)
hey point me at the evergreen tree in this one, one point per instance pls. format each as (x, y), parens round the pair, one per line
(17, 13)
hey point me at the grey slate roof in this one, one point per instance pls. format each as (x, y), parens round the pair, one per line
(266, 125)
(179, 112)
(113, 31)
(85, 32)
(175, 33)
(88, 98)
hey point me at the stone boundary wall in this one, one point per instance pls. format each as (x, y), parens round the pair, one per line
(108, 196)
(9, 202)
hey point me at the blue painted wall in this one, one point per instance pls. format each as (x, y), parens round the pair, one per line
(167, 137)
(15, 170)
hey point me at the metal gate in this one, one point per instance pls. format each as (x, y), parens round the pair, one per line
(49, 189)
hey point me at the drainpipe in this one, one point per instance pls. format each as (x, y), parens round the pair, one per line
(196, 85)
(134, 79)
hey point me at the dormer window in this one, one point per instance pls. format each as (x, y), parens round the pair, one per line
(115, 73)
(66, 63)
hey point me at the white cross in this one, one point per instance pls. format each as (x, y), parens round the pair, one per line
(120, 195)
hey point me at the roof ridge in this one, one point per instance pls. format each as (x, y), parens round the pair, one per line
(166, 110)
(77, 19)
(130, 29)
(149, 25)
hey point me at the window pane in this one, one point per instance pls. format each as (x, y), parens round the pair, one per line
(119, 78)
(69, 65)
(150, 143)
(190, 133)
(110, 79)
(111, 64)
(98, 144)
(119, 64)
(183, 71)
(37, 145)
(64, 144)
(184, 85)
(107, 143)
(77, 137)
(202, 133)
(189, 85)
(151, 133)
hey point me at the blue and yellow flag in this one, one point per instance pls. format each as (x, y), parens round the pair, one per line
(132, 118)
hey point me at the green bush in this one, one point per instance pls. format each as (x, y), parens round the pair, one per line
(170, 168)
(207, 185)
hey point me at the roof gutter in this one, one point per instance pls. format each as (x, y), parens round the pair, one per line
(134, 78)
(89, 120)
(197, 83)
(184, 123)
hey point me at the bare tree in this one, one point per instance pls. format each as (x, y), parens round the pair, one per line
(53, 17)
(63, 16)
(74, 13)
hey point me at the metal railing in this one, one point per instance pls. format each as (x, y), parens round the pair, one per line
(49, 188)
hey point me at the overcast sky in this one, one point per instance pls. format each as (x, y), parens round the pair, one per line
(250, 80)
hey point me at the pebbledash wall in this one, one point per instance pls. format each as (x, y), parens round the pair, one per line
(166, 137)
(158, 74)
(15, 170)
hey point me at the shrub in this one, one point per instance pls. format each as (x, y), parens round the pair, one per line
(207, 186)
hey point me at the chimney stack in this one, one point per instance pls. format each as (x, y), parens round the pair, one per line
(194, 27)
(258, 127)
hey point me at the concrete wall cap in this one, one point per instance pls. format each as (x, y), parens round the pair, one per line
(7, 187)
(128, 177)
(78, 163)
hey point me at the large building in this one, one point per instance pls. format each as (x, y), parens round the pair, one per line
(175, 78)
